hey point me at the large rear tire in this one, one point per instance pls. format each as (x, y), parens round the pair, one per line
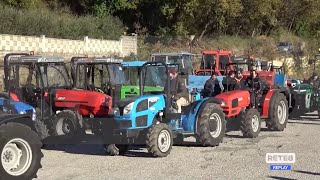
(159, 140)
(250, 123)
(20, 149)
(211, 125)
(278, 113)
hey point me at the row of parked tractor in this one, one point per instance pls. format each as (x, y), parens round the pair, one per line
(129, 103)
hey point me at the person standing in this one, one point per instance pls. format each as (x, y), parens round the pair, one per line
(229, 82)
(255, 87)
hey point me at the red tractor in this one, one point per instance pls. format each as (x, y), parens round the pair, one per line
(214, 61)
(245, 108)
(44, 83)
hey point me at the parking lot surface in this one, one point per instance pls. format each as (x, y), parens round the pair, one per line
(235, 158)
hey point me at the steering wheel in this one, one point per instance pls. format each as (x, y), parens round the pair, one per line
(30, 88)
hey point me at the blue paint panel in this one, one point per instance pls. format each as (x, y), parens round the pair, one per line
(19, 106)
(150, 112)
(199, 81)
(133, 63)
(279, 79)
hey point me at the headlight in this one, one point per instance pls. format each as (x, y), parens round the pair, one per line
(223, 103)
(34, 115)
(115, 111)
(22, 112)
(127, 109)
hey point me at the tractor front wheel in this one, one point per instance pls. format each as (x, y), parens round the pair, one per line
(211, 125)
(159, 140)
(279, 112)
(250, 123)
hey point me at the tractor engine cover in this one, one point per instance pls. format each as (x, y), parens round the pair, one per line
(86, 102)
(234, 101)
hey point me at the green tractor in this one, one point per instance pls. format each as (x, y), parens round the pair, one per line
(305, 100)
(132, 71)
(111, 76)
(305, 96)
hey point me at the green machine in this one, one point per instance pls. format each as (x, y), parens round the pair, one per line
(132, 72)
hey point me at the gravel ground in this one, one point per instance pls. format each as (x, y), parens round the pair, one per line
(235, 158)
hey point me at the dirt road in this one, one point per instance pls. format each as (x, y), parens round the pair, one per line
(236, 158)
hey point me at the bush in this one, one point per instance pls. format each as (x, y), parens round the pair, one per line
(44, 22)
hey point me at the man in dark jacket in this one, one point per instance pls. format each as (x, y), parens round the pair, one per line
(241, 83)
(254, 84)
(212, 86)
(229, 82)
(178, 90)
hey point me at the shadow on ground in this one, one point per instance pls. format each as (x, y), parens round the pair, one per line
(277, 177)
(88, 144)
(307, 172)
(306, 123)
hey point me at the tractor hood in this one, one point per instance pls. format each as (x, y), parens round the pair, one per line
(233, 101)
(303, 88)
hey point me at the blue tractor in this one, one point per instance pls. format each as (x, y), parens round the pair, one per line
(10, 106)
(151, 119)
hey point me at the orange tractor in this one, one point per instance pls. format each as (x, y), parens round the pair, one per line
(246, 108)
(214, 61)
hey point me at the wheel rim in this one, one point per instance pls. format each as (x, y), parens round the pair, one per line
(215, 125)
(164, 140)
(64, 126)
(255, 123)
(282, 113)
(16, 157)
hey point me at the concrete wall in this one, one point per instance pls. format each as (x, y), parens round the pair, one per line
(66, 47)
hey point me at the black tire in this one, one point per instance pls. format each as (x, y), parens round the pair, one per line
(206, 125)
(247, 127)
(152, 140)
(276, 123)
(12, 131)
(72, 126)
(116, 149)
(42, 129)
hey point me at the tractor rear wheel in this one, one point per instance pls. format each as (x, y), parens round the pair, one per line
(250, 123)
(278, 113)
(211, 125)
(20, 152)
(116, 149)
(159, 140)
(66, 123)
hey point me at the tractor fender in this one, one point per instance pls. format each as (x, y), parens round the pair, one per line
(190, 123)
(17, 118)
(266, 102)
(268, 98)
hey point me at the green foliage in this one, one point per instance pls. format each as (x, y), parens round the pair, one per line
(42, 22)
(28, 4)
